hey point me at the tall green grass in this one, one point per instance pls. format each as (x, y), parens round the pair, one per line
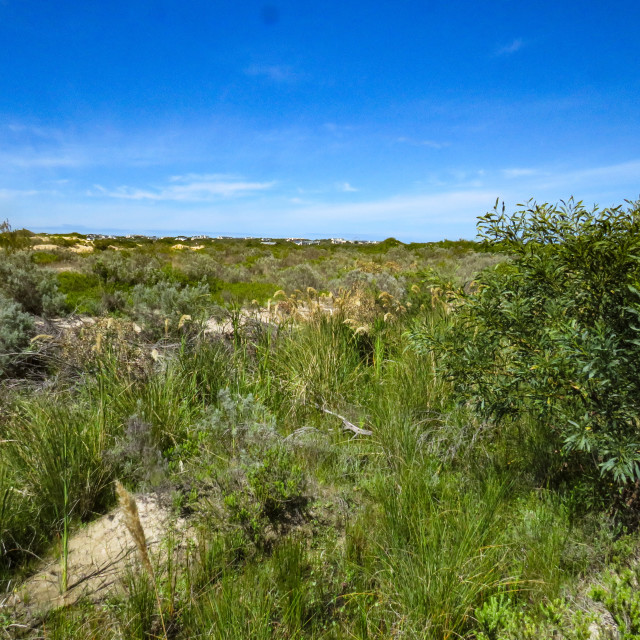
(408, 532)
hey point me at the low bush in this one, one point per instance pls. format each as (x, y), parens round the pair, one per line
(13, 240)
(278, 484)
(240, 292)
(83, 291)
(34, 288)
(16, 329)
(45, 257)
(375, 282)
(300, 277)
(166, 307)
(124, 268)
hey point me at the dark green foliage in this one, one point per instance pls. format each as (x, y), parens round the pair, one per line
(137, 610)
(208, 364)
(45, 257)
(244, 292)
(555, 335)
(56, 460)
(278, 484)
(458, 247)
(83, 291)
(102, 244)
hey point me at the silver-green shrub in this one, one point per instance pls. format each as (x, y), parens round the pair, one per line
(160, 307)
(16, 328)
(26, 283)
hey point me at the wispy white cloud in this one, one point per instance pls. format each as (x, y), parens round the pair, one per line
(24, 129)
(578, 181)
(431, 144)
(518, 172)
(18, 193)
(337, 129)
(512, 47)
(203, 188)
(273, 72)
(346, 187)
(450, 214)
(32, 160)
(205, 177)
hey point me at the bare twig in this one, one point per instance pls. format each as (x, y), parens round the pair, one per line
(349, 426)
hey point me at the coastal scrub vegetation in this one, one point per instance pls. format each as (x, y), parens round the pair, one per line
(352, 441)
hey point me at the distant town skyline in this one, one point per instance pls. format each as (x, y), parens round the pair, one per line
(355, 120)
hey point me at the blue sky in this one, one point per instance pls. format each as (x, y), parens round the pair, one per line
(355, 119)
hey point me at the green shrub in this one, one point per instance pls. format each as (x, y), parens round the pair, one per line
(45, 257)
(62, 241)
(136, 456)
(160, 308)
(300, 277)
(239, 424)
(83, 291)
(555, 335)
(618, 592)
(16, 328)
(199, 267)
(375, 282)
(269, 494)
(102, 244)
(125, 268)
(35, 289)
(11, 240)
(503, 618)
(245, 292)
(278, 484)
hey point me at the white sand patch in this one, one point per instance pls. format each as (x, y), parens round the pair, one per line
(98, 557)
(82, 248)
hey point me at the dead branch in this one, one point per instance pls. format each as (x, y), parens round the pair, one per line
(349, 426)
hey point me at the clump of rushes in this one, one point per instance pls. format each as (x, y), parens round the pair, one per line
(134, 527)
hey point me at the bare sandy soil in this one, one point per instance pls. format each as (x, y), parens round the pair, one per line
(99, 555)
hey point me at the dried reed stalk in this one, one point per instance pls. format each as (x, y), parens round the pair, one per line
(134, 526)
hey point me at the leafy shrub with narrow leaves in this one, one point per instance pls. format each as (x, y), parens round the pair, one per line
(278, 483)
(555, 335)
